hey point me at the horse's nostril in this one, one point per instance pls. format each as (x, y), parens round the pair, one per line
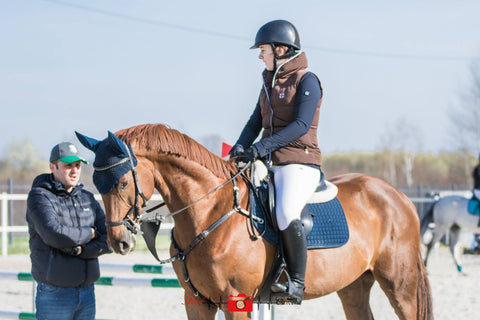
(125, 245)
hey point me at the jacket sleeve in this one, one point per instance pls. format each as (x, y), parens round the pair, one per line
(42, 214)
(98, 245)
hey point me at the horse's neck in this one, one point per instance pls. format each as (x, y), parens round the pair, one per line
(182, 184)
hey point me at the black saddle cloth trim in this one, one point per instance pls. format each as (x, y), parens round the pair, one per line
(330, 228)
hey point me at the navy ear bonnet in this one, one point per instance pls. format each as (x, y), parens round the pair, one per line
(111, 160)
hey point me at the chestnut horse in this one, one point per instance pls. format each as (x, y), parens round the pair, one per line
(197, 186)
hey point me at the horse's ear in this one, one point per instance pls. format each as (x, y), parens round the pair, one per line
(116, 143)
(89, 143)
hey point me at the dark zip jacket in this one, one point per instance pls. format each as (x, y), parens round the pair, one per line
(60, 220)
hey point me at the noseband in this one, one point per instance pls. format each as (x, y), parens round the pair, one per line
(130, 223)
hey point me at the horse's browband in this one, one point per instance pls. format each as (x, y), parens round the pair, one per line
(112, 165)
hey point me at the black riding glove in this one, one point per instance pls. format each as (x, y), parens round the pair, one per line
(236, 150)
(249, 155)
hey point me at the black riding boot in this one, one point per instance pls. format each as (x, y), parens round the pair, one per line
(295, 248)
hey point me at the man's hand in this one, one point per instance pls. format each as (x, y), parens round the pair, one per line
(94, 232)
(73, 251)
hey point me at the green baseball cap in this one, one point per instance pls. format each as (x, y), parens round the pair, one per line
(66, 152)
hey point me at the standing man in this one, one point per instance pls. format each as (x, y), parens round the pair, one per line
(476, 179)
(67, 234)
(476, 195)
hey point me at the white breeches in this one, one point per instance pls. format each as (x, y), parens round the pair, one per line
(294, 185)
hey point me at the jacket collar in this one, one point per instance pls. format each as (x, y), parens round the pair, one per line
(295, 63)
(46, 181)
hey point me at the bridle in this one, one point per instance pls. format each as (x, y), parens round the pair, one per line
(130, 223)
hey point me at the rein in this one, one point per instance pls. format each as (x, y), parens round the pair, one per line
(161, 218)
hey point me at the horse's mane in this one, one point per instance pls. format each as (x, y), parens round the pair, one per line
(159, 137)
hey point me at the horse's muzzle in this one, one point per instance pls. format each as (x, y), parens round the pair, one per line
(122, 242)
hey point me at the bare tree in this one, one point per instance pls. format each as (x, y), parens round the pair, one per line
(465, 119)
(404, 138)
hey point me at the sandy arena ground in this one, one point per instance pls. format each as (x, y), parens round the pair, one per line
(454, 296)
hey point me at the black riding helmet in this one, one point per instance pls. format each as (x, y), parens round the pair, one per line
(278, 32)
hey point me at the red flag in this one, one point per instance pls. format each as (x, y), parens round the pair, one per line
(225, 149)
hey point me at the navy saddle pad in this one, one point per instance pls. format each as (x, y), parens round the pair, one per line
(330, 229)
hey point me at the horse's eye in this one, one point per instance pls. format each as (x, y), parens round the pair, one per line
(122, 185)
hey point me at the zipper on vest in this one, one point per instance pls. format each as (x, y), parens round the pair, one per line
(271, 118)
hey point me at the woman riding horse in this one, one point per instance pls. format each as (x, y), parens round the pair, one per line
(288, 110)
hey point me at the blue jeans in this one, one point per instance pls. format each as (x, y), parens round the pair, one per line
(57, 303)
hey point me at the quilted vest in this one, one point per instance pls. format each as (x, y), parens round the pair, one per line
(282, 95)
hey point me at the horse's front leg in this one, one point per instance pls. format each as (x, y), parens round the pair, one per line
(198, 309)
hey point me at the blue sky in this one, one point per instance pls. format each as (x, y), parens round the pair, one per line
(94, 66)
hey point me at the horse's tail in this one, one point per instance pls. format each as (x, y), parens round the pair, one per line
(424, 293)
(427, 218)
